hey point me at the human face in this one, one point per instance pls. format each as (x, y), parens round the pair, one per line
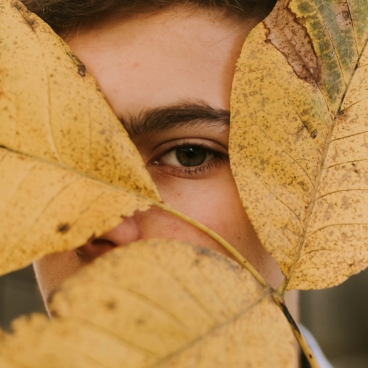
(168, 78)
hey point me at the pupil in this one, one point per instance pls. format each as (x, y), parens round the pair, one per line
(191, 156)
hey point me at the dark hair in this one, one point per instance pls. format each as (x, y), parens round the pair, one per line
(65, 16)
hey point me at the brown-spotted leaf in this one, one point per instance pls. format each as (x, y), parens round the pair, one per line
(156, 304)
(298, 153)
(67, 167)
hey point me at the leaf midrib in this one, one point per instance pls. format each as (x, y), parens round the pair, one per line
(314, 197)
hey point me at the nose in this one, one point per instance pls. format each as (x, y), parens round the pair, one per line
(126, 232)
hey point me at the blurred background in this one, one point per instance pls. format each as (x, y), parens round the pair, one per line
(337, 317)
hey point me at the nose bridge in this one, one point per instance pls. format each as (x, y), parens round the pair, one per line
(126, 232)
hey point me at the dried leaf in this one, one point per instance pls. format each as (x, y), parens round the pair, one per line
(67, 167)
(298, 154)
(156, 304)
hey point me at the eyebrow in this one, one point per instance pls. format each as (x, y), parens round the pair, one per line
(174, 116)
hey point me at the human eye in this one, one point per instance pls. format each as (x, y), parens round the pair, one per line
(189, 160)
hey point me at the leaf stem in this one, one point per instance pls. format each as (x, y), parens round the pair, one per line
(219, 239)
(282, 287)
(277, 295)
(279, 300)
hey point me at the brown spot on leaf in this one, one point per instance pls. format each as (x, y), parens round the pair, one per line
(343, 15)
(111, 305)
(63, 228)
(140, 321)
(314, 133)
(82, 70)
(289, 35)
(54, 314)
(81, 67)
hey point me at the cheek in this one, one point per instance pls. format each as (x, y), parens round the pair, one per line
(214, 202)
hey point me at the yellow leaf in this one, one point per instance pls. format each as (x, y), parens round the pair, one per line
(67, 167)
(298, 148)
(156, 304)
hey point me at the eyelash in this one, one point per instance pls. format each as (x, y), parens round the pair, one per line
(186, 172)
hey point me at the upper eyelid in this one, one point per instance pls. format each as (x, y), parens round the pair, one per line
(208, 145)
(187, 145)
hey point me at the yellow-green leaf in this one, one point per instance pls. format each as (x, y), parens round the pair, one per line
(156, 304)
(298, 151)
(67, 167)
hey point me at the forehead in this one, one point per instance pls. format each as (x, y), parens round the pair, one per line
(155, 60)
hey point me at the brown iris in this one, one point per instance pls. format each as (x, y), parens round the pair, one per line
(191, 156)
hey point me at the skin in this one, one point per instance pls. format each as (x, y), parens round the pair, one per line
(177, 57)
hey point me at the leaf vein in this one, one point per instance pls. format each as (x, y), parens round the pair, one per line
(337, 224)
(330, 36)
(111, 332)
(45, 206)
(345, 162)
(25, 176)
(341, 191)
(352, 26)
(217, 327)
(48, 125)
(287, 153)
(349, 136)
